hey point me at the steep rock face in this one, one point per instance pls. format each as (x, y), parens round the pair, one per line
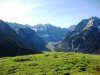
(85, 23)
(10, 42)
(31, 39)
(85, 38)
(50, 33)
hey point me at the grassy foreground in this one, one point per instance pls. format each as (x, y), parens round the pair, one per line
(51, 63)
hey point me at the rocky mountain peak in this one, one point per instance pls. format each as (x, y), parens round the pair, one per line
(93, 22)
(86, 23)
(85, 37)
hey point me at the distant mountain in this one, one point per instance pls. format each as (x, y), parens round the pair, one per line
(17, 25)
(84, 38)
(29, 36)
(10, 43)
(50, 33)
(47, 32)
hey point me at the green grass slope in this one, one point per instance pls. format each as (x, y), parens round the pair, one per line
(51, 63)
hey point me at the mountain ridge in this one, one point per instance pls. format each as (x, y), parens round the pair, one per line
(10, 42)
(84, 38)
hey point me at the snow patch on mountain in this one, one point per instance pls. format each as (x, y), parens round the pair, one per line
(45, 35)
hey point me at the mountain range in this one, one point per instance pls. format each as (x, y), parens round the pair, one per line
(84, 38)
(47, 32)
(19, 39)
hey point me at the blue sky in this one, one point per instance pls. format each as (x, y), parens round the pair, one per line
(61, 13)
